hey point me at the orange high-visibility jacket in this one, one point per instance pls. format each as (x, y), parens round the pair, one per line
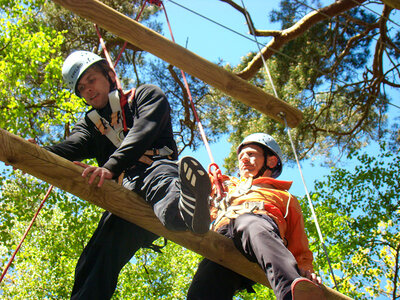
(279, 204)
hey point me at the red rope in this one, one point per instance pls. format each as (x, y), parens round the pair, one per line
(123, 96)
(123, 100)
(217, 172)
(159, 3)
(26, 233)
(136, 19)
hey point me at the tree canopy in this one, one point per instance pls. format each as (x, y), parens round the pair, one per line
(336, 65)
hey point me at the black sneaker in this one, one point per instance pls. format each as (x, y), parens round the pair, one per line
(195, 190)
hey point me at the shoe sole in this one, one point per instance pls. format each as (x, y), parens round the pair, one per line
(193, 175)
(303, 288)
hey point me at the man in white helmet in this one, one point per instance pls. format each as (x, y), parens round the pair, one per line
(133, 138)
(266, 224)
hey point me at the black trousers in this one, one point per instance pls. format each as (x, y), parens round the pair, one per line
(257, 237)
(115, 240)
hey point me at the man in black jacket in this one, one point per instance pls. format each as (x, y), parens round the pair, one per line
(134, 140)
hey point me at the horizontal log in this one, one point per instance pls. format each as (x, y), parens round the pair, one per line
(152, 42)
(65, 175)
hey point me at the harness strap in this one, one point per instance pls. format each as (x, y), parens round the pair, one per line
(233, 211)
(114, 131)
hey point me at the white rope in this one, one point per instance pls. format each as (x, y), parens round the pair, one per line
(311, 207)
(294, 152)
(259, 50)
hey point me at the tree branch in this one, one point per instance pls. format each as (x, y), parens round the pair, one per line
(296, 30)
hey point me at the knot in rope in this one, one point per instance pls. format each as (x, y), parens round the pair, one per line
(216, 174)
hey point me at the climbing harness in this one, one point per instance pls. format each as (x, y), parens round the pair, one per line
(113, 130)
(245, 186)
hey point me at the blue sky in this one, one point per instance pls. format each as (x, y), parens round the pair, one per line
(214, 43)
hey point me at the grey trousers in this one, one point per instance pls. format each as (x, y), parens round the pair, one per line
(258, 238)
(115, 240)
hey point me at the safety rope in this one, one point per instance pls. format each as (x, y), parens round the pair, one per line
(277, 51)
(26, 233)
(282, 115)
(214, 169)
(123, 96)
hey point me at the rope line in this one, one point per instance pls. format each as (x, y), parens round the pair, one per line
(295, 154)
(259, 49)
(310, 204)
(198, 122)
(214, 169)
(26, 233)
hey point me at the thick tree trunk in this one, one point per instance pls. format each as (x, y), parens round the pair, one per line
(64, 174)
(152, 42)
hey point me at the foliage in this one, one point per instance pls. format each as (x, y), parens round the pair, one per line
(34, 39)
(58, 236)
(332, 74)
(33, 102)
(359, 214)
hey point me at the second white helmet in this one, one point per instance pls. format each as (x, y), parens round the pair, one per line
(75, 65)
(267, 141)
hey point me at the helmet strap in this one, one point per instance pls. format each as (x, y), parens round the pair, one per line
(262, 170)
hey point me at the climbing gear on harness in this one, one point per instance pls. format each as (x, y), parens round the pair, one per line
(215, 172)
(75, 65)
(115, 133)
(245, 186)
(195, 190)
(267, 141)
(114, 130)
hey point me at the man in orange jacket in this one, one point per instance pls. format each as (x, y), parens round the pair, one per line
(266, 224)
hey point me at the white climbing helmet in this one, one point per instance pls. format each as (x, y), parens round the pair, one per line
(75, 65)
(267, 141)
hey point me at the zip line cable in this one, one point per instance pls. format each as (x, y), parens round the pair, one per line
(212, 21)
(310, 204)
(275, 50)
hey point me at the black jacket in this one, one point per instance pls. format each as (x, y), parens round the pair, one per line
(149, 120)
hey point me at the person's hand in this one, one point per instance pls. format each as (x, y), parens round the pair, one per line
(94, 172)
(311, 276)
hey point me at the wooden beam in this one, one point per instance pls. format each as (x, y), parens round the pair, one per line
(152, 42)
(65, 175)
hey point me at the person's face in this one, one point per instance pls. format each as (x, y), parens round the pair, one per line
(94, 87)
(251, 160)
